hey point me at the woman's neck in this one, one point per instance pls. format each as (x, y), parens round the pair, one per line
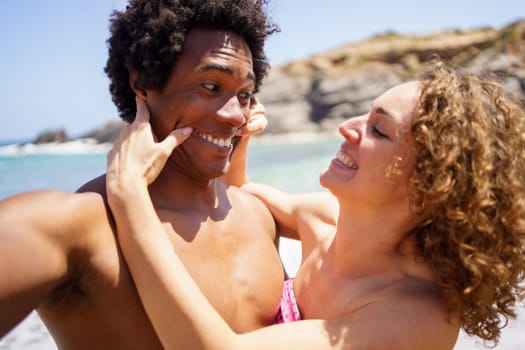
(373, 242)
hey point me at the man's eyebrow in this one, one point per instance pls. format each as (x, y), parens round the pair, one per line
(215, 66)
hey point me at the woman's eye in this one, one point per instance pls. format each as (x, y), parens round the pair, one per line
(378, 132)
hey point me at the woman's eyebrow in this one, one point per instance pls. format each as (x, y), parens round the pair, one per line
(383, 111)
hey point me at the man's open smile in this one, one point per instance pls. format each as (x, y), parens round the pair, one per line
(221, 142)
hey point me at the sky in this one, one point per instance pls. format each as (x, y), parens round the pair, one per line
(53, 52)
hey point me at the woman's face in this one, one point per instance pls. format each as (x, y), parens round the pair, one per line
(376, 160)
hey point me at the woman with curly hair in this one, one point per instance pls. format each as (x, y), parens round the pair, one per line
(422, 233)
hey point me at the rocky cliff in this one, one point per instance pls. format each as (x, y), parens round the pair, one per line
(317, 93)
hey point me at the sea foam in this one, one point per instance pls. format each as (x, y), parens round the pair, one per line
(80, 146)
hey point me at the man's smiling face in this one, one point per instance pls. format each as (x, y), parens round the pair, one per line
(209, 90)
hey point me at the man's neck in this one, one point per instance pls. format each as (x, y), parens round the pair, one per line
(175, 189)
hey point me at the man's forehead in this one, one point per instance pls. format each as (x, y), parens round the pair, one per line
(215, 50)
(206, 41)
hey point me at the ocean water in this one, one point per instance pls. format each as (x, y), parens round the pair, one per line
(292, 166)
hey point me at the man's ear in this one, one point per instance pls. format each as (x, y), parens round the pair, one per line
(139, 92)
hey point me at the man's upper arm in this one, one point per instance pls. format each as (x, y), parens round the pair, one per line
(34, 246)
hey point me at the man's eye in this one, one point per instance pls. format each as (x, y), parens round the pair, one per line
(211, 86)
(246, 96)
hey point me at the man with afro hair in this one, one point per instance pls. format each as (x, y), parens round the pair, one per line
(194, 65)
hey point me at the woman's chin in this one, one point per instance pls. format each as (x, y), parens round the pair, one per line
(327, 180)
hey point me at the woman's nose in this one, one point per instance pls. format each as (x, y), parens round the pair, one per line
(350, 129)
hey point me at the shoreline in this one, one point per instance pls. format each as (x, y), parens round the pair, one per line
(89, 146)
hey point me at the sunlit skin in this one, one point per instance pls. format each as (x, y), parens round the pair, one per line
(209, 90)
(369, 178)
(359, 270)
(376, 144)
(61, 249)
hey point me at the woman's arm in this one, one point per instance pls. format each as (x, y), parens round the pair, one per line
(237, 174)
(295, 214)
(180, 313)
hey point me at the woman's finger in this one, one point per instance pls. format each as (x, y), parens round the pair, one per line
(175, 138)
(142, 110)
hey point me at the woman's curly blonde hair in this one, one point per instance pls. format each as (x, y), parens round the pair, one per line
(469, 174)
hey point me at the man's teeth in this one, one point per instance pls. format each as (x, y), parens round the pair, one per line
(215, 140)
(345, 160)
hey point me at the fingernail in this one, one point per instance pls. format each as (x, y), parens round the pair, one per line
(187, 130)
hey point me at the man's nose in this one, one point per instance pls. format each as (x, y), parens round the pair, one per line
(232, 112)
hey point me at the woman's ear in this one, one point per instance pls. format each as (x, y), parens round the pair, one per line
(139, 92)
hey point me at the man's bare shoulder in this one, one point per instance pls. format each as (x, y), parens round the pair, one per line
(53, 213)
(63, 231)
(243, 198)
(252, 208)
(49, 202)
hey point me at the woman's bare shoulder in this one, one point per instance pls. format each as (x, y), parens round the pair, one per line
(411, 315)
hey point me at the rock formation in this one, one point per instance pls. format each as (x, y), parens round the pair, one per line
(317, 93)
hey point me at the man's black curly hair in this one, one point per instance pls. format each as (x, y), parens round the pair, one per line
(148, 37)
